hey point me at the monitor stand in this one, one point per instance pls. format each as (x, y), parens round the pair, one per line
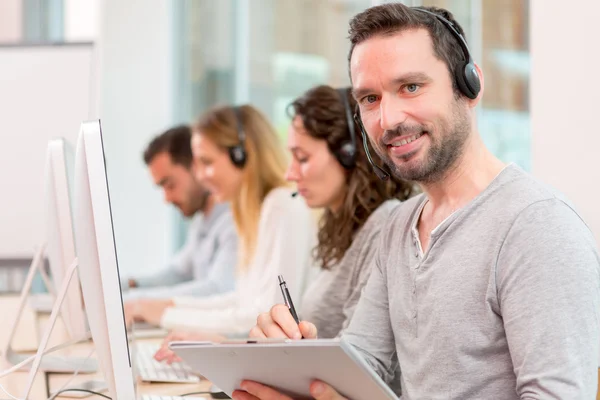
(52, 363)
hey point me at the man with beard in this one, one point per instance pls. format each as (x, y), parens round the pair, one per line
(206, 263)
(486, 286)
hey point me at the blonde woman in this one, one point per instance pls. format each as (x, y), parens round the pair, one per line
(239, 158)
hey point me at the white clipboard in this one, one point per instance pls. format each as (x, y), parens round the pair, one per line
(287, 365)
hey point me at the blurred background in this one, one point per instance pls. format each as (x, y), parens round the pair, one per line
(154, 63)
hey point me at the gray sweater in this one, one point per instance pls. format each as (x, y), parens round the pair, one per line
(505, 303)
(204, 266)
(331, 298)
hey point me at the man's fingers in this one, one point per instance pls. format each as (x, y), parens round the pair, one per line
(173, 358)
(322, 391)
(241, 395)
(257, 333)
(262, 392)
(164, 353)
(283, 318)
(161, 354)
(279, 323)
(308, 330)
(269, 327)
(128, 311)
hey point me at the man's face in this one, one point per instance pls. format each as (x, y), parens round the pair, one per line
(408, 106)
(179, 186)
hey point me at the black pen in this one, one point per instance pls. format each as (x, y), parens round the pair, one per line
(287, 299)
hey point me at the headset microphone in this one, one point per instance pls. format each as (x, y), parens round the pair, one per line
(294, 194)
(380, 172)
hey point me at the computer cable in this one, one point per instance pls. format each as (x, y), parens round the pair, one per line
(62, 388)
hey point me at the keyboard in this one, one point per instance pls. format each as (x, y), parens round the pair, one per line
(150, 370)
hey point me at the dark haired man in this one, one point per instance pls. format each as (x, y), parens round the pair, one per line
(206, 263)
(487, 285)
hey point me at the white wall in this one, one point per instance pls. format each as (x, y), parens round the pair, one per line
(565, 101)
(11, 20)
(45, 93)
(135, 104)
(81, 20)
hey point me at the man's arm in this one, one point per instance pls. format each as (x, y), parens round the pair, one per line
(221, 271)
(164, 277)
(178, 270)
(366, 264)
(549, 296)
(370, 330)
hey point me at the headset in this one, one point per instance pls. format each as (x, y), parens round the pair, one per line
(379, 171)
(346, 152)
(467, 80)
(237, 153)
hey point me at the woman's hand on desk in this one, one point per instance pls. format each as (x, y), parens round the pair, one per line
(256, 391)
(146, 310)
(167, 355)
(279, 323)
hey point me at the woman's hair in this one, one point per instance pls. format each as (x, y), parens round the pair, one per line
(263, 171)
(323, 114)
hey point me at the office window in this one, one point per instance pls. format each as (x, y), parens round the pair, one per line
(31, 21)
(297, 44)
(292, 46)
(204, 47)
(48, 21)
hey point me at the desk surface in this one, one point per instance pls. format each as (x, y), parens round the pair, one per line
(27, 338)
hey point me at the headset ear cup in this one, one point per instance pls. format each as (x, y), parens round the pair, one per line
(468, 81)
(472, 79)
(460, 82)
(346, 155)
(237, 156)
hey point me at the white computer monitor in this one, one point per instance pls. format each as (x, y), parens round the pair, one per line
(98, 266)
(60, 165)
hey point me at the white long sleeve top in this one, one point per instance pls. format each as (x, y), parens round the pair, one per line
(286, 237)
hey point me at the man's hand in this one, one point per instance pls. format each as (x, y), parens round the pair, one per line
(167, 355)
(146, 310)
(256, 391)
(279, 323)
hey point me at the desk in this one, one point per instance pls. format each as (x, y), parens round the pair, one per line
(27, 338)
(56, 381)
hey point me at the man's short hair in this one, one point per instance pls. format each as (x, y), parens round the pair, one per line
(176, 142)
(391, 18)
